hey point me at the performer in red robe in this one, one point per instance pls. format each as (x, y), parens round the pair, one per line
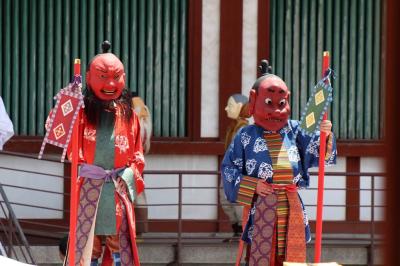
(111, 164)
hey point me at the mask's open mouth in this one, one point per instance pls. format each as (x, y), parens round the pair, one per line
(108, 92)
(274, 119)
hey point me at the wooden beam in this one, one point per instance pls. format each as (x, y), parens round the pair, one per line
(230, 56)
(203, 146)
(31, 146)
(193, 119)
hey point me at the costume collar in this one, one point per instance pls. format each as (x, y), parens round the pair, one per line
(286, 129)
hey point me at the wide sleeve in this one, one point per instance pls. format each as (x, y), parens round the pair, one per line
(6, 126)
(132, 175)
(309, 149)
(238, 187)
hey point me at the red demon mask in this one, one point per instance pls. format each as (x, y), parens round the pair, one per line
(269, 103)
(106, 77)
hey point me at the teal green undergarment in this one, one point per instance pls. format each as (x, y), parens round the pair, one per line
(104, 157)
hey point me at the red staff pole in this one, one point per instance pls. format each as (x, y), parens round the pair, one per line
(321, 173)
(74, 178)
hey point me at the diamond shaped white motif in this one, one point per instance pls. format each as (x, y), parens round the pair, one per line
(59, 131)
(67, 107)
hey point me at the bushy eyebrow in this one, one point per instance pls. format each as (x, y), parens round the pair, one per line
(101, 69)
(281, 91)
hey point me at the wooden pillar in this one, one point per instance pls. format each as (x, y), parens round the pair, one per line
(193, 119)
(353, 192)
(392, 133)
(263, 32)
(230, 56)
(230, 71)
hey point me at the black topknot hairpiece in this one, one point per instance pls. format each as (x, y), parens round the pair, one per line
(266, 71)
(106, 46)
(265, 68)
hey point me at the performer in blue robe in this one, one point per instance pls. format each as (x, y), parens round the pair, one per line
(269, 161)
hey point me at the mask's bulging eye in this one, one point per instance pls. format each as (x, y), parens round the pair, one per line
(268, 101)
(282, 102)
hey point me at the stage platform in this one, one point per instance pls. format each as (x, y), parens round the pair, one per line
(209, 249)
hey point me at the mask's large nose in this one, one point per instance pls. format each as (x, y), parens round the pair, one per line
(110, 85)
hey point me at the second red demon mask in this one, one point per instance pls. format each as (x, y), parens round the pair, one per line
(269, 102)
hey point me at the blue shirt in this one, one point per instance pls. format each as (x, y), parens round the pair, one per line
(248, 155)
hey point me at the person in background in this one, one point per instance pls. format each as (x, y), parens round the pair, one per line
(237, 110)
(146, 127)
(6, 126)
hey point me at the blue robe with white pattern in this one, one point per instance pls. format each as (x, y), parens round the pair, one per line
(248, 155)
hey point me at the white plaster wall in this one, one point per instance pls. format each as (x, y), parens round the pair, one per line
(249, 53)
(42, 180)
(210, 68)
(372, 165)
(207, 195)
(331, 197)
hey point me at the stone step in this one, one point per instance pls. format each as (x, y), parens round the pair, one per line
(352, 251)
